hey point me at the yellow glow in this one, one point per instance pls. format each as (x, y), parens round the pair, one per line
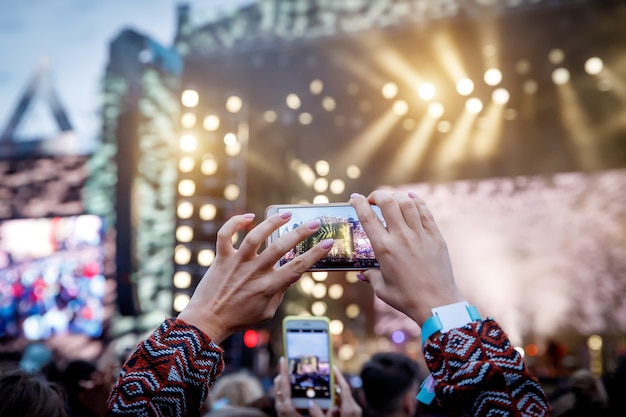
(493, 76)
(522, 66)
(270, 116)
(231, 192)
(455, 147)
(320, 185)
(556, 56)
(400, 107)
(365, 106)
(316, 87)
(188, 120)
(474, 105)
(318, 308)
(293, 101)
(306, 284)
(346, 352)
(319, 275)
(530, 86)
(230, 139)
(306, 174)
(186, 187)
(190, 98)
(328, 103)
(436, 110)
(206, 257)
(305, 118)
(234, 149)
(188, 143)
(184, 210)
(351, 277)
(412, 151)
(353, 311)
(465, 86)
(320, 199)
(426, 91)
(336, 327)
(487, 141)
(444, 126)
(184, 233)
(337, 186)
(560, 76)
(186, 164)
(390, 90)
(207, 212)
(182, 279)
(594, 342)
(182, 255)
(448, 56)
(209, 165)
(500, 96)
(234, 104)
(319, 290)
(180, 302)
(593, 66)
(353, 172)
(335, 291)
(322, 167)
(211, 122)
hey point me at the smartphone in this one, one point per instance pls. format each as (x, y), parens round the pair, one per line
(308, 355)
(351, 251)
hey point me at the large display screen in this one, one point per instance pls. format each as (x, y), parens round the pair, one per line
(51, 276)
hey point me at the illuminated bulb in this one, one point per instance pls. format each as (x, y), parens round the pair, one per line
(353, 172)
(530, 87)
(270, 116)
(184, 210)
(522, 66)
(500, 96)
(319, 290)
(353, 311)
(233, 150)
(594, 66)
(186, 188)
(560, 76)
(474, 105)
(351, 277)
(465, 87)
(182, 255)
(184, 233)
(594, 342)
(335, 291)
(230, 139)
(207, 212)
(231, 192)
(435, 109)
(211, 123)
(316, 87)
(493, 76)
(188, 120)
(306, 174)
(209, 165)
(337, 186)
(556, 56)
(336, 327)
(390, 90)
(346, 352)
(306, 284)
(320, 185)
(206, 257)
(318, 308)
(322, 168)
(190, 98)
(510, 114)
(234, 104)
(319, 275)
(320, 199)
(426, 91)
(293, 101)
(305, 118)
(328, 103)
(188, 143)
(400, 107)
(186, 164)
(180, 302)
(182, 279)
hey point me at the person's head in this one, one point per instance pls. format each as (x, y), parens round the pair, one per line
(237, 389)
(28, 395)
(390, 384)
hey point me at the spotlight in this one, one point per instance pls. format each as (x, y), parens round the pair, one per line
(190, 98)
(293, 101)
(322, 168)
(493, 76)
(186, 188)
(436, 110)
(184, 210)
(180, 301)
(500, 96)
(186, 164)
(182, 255)
(234, 104)
(320, 185)
(188, 120)
(207, 212)
(593, 66)
(182, 279)
(231, 192)
(390, 90)
(184, 233)
(426, 91)
(305, 118)
(230, 139)
(206, 257)
(211, 123)
(209, 165)
(328, 103)
(400, 107)
(465, 87)
(353, 172)
(316, 87)
(556, 56)
(474, 105)
(270, 116)
(560, 76)
(188, 143)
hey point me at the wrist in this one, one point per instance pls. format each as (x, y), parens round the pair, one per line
(212, 329)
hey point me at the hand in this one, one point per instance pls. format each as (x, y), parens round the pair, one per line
(284, 406)
(242, 288)
(415, 272)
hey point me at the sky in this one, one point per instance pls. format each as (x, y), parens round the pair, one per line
(72, 36)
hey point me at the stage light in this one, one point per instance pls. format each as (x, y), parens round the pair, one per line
(328, 103)
(250, 339)
(190, 98)
(436, 110)
(184, 233)
(426, 91)
(320, 199)
(233, 150)
(306, 174)
(305, 118)
(188, 120)
(186, 164)
(346, 352)
(560, 76)
(390, 90)
(593, 66)
(293, 101)
(489, 50)
(594, 342)
(336, 327)
(522, 66)
(306, 284)
(230, 139)
(335, 291)
(211, 123)
(473, 105)
(353, 311)
(320, 185)
(207, 212)
(444, 126)
(400, 107)
(319, 308)
(180, 302)
(556, 56)
(500, 96)
(530, 86)
(465, 87)
(319, 275)
(351, 277)
(270, 116)
(337, 186)
(319, 290)
(353, 172)
(186, 187)
(510, 114)
(316, 87)
(209, 165)
(398, 337)
(182, 255)
(322, 168)
(234, 104)
(184, 210)
(206, 257)
(231, 192)
(493, 76)
(532, 349)
(182, 279)
(188, 143)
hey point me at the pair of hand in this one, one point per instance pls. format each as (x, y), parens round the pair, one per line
(243, 288)
(347, 406)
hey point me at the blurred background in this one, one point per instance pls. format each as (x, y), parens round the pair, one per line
(131, 131)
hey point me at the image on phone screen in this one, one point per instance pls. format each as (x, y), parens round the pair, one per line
(351, 249)
(308, 363)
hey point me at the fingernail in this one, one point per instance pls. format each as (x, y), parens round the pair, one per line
(327, 243)
(249, 216)
(311, 404)
(412, 194)
(360, 277)
(281, 360)
(285, 215)
(314, 224)
(355, 195)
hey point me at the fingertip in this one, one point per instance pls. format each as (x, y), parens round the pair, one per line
(413, 194)
(249, 216)
(327, 243)
(354, 196)
(360, 276)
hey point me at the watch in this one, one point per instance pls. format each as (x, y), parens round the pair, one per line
(449, 317)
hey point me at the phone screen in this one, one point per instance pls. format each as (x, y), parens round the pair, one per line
(308, 362)
(351, 249)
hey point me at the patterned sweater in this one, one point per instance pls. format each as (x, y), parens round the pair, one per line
(478, 373)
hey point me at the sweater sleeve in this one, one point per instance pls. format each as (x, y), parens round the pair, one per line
(168, 374)
(479, 373)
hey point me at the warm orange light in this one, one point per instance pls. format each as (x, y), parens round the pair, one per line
(532, 349)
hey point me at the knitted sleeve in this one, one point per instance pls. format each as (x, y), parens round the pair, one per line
(169, 373)
(479, 373)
